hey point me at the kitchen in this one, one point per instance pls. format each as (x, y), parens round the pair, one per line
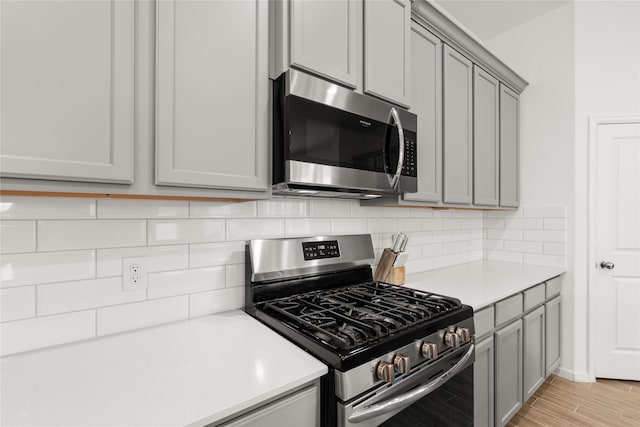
(69, 329)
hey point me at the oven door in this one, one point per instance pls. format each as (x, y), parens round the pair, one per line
(438, 395)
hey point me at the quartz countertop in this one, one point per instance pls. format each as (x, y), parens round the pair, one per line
(188, 373)
(481, 283)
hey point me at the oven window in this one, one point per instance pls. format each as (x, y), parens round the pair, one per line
(451, 405)
(325, 135)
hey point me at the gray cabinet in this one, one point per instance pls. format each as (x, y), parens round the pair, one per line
(301, 408)
(486, 132)
(387, 39)
(534, 368)
(426, 102)
(552, 312)
(325, 38)
(483, 386)
(508, 372)
(67, 90)
(212, 99)
(509, 148)
(457, 100)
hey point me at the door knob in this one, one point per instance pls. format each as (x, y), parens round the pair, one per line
(607, 265)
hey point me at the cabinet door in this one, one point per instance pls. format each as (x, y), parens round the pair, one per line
(387, 39)
(534, 372)
(458, 72)
(509, 148)
(67, 90)
(426, 102)
(325, 38)
(483, 384)
(212, 94)
(508, 366)
(552, 310)
(485, 138)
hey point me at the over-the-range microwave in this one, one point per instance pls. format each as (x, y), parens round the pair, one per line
(333, 142)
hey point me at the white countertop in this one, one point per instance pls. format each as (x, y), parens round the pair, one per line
(187, 373)
(481, 283)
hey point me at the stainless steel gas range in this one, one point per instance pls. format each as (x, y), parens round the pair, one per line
(396, 356)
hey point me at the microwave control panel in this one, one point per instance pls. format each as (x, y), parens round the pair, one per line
(409, 168)
(320, 250)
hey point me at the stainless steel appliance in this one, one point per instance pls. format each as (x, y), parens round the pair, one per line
(331, 141)
(396, 356)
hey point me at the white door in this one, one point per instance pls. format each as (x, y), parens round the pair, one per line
(617, 241)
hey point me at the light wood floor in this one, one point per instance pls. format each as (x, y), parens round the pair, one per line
(560, 402)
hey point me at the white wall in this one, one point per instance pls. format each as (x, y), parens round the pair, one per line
(542, 51)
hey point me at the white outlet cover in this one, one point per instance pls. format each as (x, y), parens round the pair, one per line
(134, 280)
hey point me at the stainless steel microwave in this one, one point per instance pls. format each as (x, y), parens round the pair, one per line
(330, 141)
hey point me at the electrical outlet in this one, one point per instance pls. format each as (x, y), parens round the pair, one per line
(134, 273)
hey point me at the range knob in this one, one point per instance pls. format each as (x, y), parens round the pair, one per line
(452, 339)
(402, 363)
(385, 372)
(429, 350)
(464, 334)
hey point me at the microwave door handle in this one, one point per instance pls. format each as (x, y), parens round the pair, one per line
(412, 396)
(393, 180)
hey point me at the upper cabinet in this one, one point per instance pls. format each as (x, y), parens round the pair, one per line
(509, 148)
(387, 40)
(67, 90)
(212, 98)
(458, 116)
(325, 38)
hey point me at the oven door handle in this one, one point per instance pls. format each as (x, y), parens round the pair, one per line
(412, 396)
(393, 179)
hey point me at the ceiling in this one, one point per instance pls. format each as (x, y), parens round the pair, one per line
(488, 18)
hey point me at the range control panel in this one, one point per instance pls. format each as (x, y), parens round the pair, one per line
(320, 250)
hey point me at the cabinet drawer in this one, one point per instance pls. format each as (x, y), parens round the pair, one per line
(534, 296)
(508, 309)
(554, 286)
(483, 321)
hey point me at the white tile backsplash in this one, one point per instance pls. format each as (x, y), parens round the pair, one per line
(66, 284)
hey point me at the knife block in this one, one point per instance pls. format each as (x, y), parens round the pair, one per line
(396, 276)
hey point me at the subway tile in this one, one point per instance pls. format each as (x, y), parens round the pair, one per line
(38, 332)
(467, 213)
(137, 315)
(520, 246)
(450, 224)
(283, 208)
(417, 265)
(442, 261)
(555, 249)
(396, 212)
(443, 213)
(552, 211)
(381, 225)
(204, 303)
(494, 222)
(47, 208)
(235, 275)
(421, 238)
(307, 227)
(504, 214)
(84, 294)
(476, 255)
(348, 225)
(504, 234)
(451, 247)
(432, 224)
(410, 224)
(159, 258)
(504, 256)
(46, 267)
(524, 223)
(544, 236)
(247, 229)
(421, 212)
(222, 210)
(548, 260)
(83, 234)
(432, 250)
(171, 232)
(210, 254)
(468, 223)
(329, 208)
(17, 303)
(442, 236)
(119, 208)
(358, 211)
(182, 282)
(493, 244)
(555, 224)
(17, 236)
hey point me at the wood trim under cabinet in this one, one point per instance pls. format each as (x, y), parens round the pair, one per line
(119, 196)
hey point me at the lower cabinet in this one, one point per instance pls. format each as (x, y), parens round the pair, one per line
(508, 372)
(534, 368)
(483, 386)
(552, 312)
(301, 408)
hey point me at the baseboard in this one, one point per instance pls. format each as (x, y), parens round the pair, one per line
(580, 377)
